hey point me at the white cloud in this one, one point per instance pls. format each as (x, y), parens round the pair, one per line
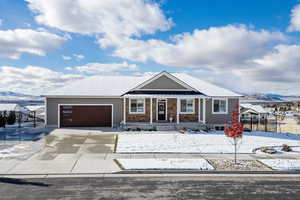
(279, 66)
(218, 47)
(104, 68)
(33, 79)
(117, 19)
(78, 56)
(295, 19)
(274, 72)
(15, 42)
(66, 57)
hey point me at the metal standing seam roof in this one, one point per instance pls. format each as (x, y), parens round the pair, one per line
(116, 86)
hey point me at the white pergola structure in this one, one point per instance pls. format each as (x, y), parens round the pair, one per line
(168, 96)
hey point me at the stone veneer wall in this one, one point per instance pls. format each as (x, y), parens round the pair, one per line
(154, 100)
(138, 117)
(172, 109)
(171, 112)
(190, 117)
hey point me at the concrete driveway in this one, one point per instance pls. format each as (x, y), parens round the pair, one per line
(70, 151)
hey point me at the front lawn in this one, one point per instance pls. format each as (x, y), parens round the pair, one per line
(283, 164)
(213, 142)
(165, 164)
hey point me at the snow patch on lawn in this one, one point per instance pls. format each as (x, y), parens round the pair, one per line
(212, 142)
(282, 164)
(21, 150)
(168, 163)
(295, 150)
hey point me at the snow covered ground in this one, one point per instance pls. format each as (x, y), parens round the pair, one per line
(282, 164)
(213, 142)
(295, 150)
(20, 143)
(20, 150)
(167, 163)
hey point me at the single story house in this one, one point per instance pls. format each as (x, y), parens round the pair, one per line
(256, 112)
(12, 107)
(38, 109)
(161, 98)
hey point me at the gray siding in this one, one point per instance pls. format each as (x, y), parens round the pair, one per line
(52, 108)
(163, 82)
(220, 118)
(211, 119)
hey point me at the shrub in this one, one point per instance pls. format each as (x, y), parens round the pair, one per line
(286, 148)
(11, 118)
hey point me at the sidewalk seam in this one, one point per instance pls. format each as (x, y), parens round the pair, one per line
(75, 163)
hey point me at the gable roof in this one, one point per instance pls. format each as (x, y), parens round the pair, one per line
(256, 108)
(168, 76)
(204, 87)
(99, 86)
(35, 108)
(116, 86)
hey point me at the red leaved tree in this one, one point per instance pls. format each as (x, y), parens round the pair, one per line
(234, 130)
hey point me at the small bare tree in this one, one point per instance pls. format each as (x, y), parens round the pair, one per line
(235, 130)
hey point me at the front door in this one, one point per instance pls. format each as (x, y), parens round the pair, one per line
(161, 115)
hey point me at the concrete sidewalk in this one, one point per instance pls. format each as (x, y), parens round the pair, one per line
(95, 163)
(62, 164)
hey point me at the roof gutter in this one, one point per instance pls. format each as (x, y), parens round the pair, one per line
(79, 96)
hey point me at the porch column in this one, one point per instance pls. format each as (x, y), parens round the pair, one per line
(124, 110)
(204, 110)
(151, 118)
(199, 120)
(177, 111)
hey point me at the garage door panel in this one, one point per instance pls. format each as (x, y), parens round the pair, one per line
(86, 116)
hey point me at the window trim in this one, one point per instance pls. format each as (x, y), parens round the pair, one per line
(144, 106)
(226, 106)
(193, 112)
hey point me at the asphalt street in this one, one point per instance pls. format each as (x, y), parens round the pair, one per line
(152, 188)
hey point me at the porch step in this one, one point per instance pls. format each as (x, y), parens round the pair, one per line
(165, 128)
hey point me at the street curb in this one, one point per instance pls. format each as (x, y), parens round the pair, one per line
(203, 172)
(163, 172)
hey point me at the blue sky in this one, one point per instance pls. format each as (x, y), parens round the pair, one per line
(47, 44)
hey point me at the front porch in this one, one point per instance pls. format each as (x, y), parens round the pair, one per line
(165, 126)
(164, 112)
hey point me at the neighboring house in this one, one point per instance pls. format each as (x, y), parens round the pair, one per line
(12, 107)
(256, 112)
(38, 109)
(163, 98)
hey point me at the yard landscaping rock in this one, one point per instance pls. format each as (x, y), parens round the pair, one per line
(269, 150)
(286, 148)
(242, 165)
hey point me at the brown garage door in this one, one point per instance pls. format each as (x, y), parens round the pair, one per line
(85, 116)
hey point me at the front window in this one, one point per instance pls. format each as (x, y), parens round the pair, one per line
(137, 106)
(219, 106)
(187, 106)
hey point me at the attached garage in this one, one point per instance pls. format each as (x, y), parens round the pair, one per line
(85, 115)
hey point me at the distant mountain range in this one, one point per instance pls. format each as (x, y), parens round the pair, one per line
(14, 97)
(269, 98)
